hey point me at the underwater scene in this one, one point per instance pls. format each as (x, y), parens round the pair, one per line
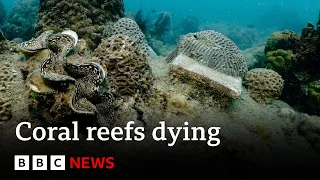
(250, 67)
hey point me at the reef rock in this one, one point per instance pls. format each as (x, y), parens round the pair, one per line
(296, 59)
(5, 109)
(287, 113)
(264, 85)
(87, 18)
(128, 70)
(213, 50)
(309, 127)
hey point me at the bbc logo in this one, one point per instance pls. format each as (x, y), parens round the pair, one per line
(39, 162)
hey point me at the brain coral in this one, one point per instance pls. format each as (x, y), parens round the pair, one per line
(130, 28)
(264, 85)
(213, 50)
(87, 18)
(127, 68)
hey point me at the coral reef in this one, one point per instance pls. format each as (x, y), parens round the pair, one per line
(112, 85)
(21, 21)
(308, 54)
(313, 96)
(314, 89)
(309, 31)
(213, 50)
(3, 13)
(286, 40)
(87, 18)
(280, 61)
(250, 130)
(127, 67)
(296, 59)
(130, 28)
(264, 85)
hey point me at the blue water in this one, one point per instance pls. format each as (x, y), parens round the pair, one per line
(279, 14)
(284, 14)
(8, 4)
